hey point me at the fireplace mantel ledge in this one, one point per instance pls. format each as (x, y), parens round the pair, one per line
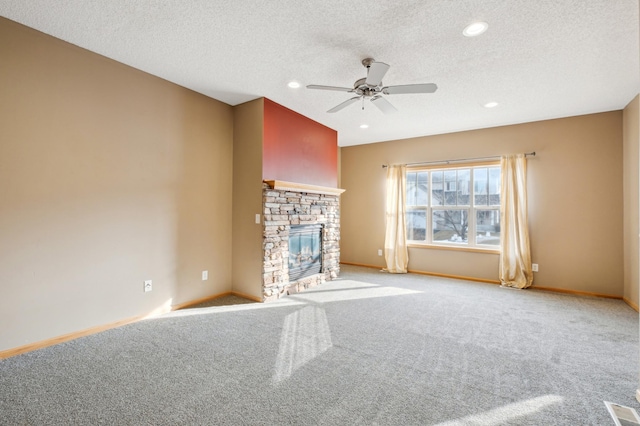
(302, 187)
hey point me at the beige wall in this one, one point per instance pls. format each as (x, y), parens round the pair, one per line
(247, 198)
(108, 177)
(575, 199)
(631, 158)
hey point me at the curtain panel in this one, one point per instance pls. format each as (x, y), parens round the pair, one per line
(515, 251)
(396, 253)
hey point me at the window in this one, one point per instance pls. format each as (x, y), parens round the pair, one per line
(454, 206)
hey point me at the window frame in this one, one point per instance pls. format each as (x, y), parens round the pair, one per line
(471, 208)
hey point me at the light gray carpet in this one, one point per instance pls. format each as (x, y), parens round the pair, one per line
(369, 348)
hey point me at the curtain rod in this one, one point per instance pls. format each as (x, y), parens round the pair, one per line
(495, 157)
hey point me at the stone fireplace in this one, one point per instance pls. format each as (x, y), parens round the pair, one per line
(301, 237)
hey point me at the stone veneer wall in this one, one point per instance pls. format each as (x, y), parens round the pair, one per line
(283, 209)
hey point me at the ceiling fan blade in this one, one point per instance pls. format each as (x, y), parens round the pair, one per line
(344, 104)
(377, 70)
(383, 105)
(339, 89)
(410, 88)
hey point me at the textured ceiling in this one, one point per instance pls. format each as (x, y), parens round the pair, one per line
(539, 59)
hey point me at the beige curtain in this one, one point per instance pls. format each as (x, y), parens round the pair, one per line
(515, 253)
(395, 242)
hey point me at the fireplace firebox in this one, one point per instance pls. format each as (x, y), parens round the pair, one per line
(305, 251)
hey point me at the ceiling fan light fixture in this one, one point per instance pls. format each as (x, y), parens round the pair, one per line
(490, 105)
(475, 29)
(293, 84)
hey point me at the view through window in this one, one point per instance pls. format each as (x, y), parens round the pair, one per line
(457, 206)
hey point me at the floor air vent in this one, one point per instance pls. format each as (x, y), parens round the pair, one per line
(623, 416)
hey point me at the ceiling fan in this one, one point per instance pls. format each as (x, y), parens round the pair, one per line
(371, 87)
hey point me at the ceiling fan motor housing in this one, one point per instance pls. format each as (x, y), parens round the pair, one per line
(364, 89)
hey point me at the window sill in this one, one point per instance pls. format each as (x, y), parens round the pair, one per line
(454, 248)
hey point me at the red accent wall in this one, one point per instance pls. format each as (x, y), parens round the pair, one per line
(298, 149)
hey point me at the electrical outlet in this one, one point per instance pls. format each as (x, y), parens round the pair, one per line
(257, 219)
(148, 284)
(379, 252)
(534, 267)
(205, 275)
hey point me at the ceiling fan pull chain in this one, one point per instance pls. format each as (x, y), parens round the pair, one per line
(363, 103)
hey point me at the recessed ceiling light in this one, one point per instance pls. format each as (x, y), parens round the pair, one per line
(475, 29)
(293, 84)
(364, 126)
(491, 105)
